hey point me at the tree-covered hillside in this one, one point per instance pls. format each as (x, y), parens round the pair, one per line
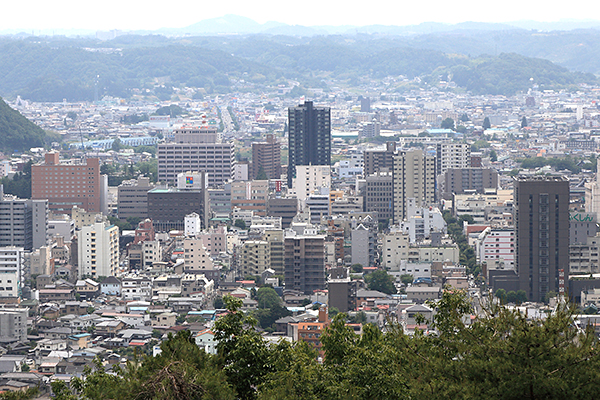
(17, 133)
(53, 69)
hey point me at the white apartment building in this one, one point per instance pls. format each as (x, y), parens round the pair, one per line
(98, 248)
(192, 224)
(413, 178)
(421, 221)
(310, 179)
(453, 155)
(196, 256)
(11, 271)
(13, 324)
(395, 249)
(583, 257)
(496, 246)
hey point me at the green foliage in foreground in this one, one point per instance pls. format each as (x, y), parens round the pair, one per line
(499, 356)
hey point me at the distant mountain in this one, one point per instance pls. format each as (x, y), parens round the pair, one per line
(53, 69)
(17, 133)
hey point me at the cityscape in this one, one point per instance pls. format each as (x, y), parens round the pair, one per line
(381, 238)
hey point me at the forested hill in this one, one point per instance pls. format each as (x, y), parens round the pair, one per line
(53, 69)
(17, 133)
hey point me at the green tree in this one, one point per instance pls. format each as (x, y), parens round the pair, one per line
(448, 123)
(381, 281)
(261, 175)
(117, 145)
(511, 296)
(523, 122)
(406, 278)
(243, 354)
(521, 296)
(267, 297)
(501, 295)
(240, 223)
(493, 156)
(486, 123)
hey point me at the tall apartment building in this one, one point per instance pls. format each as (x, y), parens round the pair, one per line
(23, 222)
(542, 234)
(250, 196)
(65, 185)
(11, 271)
(305, 263)
(133, 198)
(592, 195)
(309, 137)
(310, 179)
(468, 180)
(453, 155)
(266, 155)
(196, 149)
(196, 256)
(98, 250)
(190, 195)
(379, 194)
(284, 207)
(413, 177)
(13, 325)
(380, 160)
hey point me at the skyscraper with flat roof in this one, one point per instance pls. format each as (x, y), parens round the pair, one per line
(542, 234)
(309, 137)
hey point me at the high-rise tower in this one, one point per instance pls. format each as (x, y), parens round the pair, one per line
(309, 137)
(542, 234)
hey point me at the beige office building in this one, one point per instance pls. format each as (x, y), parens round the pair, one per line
(413, 177)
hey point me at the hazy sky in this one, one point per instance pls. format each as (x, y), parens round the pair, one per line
(152, 14)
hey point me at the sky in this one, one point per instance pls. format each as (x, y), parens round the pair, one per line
(31, 15)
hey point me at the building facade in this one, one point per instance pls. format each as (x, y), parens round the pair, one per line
(542, 234)
(309, 137)
(453, 155)
(305, 263)
(11, 271)
(266, 156)
(23, 223)
(133, 198)
(67, 185)
(196, 150)
(414, 177)
(98, 250)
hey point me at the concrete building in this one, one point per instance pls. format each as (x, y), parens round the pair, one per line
(380, 160)
(469, 180)
(40, 261)
(23, 223)
(310, 179)
(581, 226)
(341, 290)
(305, 263)
(452, 155)
(266, 156)
(414, 176)
(82, 218)
(379, 194)
(65, 185)
(196, 149)
(133, 198)
(592, 195)
(11, 271)
(284, 207)
(421, 222)
(254, 258)
(496, 246)
(363, 246)
(395, 249)
(542, 234)
(193, 224)
(309, 137)
(196, 256)
(318, 206)
(583, 257)
(185, 199)
(13, 325)
(250, 196)
(98, 250)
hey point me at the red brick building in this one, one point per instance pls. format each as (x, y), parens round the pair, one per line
(66, 185)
